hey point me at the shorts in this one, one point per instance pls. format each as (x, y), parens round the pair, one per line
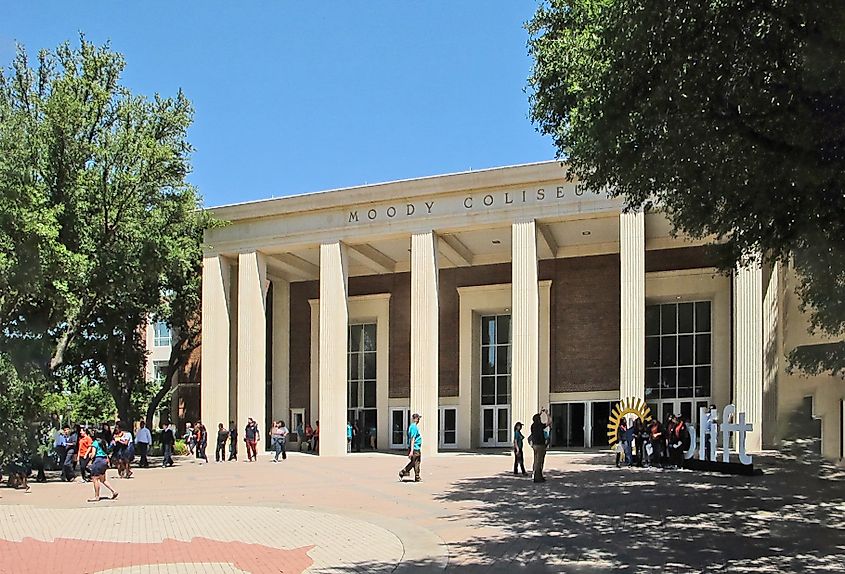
(99, 466)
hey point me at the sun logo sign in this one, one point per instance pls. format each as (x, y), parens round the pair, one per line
(630, 406)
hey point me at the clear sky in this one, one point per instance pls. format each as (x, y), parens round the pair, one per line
(292, 97)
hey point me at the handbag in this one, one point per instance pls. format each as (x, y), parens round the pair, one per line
(649, 450)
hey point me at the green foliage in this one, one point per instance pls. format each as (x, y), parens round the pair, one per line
(84, 403)
(728, 115)
(99, 231)
(20, 417)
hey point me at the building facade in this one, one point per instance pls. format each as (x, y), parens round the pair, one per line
(477, 298)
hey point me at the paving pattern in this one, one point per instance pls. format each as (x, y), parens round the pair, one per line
(469, 514)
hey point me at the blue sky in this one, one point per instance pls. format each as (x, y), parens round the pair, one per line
(292, 97)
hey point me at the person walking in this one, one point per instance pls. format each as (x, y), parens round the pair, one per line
(83, 444)
(189, 437)
(168, 439)
(98, 453)
(143, 440)
(201, 440)
(251, 438)
(518, 454)
(537, 439)
(415, 440)
(233, 441)
(279, 437)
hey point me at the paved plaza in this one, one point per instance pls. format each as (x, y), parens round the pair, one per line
(469, 514)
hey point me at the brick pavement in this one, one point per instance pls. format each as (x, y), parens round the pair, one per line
(469, 512)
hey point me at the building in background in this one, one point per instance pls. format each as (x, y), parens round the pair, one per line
(184, 403)
(476, 298)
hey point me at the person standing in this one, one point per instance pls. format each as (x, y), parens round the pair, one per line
(189, 437)
(316, 447)
(124, 451)
(348, 436)
(60, 446)
(83, 444)
(414, 454)
(279, 436)
(222, 437)
(518, 454)
(537, 439)
(233, 441)
(168, 439)
(251, 438)
(70, 455)
(309, 437)
(356, 437)
(143, 440)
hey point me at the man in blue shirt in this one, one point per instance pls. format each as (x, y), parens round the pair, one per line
(415, 440)
(348, 436)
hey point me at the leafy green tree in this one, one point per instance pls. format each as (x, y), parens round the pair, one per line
(94, 206)
(725, 114)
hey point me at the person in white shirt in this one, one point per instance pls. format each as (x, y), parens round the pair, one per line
(143, 440)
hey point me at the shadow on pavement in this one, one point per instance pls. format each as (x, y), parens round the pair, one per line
(596, 518)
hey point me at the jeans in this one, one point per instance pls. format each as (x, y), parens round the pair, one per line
(83, 467)
(142, 450)
(233, 449)
(626, 447)
(518, 461)
(251, 452)
(414, 463)
(220, 451)
(539, 459)
(279, 448)
(67, 466)
(200, 450)
(168, 455)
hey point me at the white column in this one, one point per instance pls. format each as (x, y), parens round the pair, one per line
(525, 324)
(252, 342)
(632, 305)
(425, 340)
(334, 327)
(216, 322)
(748, 350)
(281, 351)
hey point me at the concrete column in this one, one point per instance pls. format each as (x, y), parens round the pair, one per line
(425, 365)
(334, 333)
(281, 351)
(216, 323)
(252, 342)
(525, 324)
(748, 350)
(632, 305)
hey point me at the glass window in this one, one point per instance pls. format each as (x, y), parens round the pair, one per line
(495, 360)
(677, 350)
(361, 383)
(448, 426)
(161, 334)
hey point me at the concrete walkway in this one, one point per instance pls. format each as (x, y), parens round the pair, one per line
(351, 514)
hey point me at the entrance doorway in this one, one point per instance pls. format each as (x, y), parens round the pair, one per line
(495, 380)
(361, 384)
(568, 424)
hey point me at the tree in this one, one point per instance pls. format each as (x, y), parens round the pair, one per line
(728, 115)
(93, 208)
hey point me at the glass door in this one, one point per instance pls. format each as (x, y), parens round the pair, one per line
(361, 387)
(568, 424)
(495, 380)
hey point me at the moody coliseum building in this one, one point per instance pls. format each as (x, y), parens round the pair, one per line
(476, 298)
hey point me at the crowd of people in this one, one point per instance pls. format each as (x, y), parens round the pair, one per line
(652, 444)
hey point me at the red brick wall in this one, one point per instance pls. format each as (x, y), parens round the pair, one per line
(585, 324)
